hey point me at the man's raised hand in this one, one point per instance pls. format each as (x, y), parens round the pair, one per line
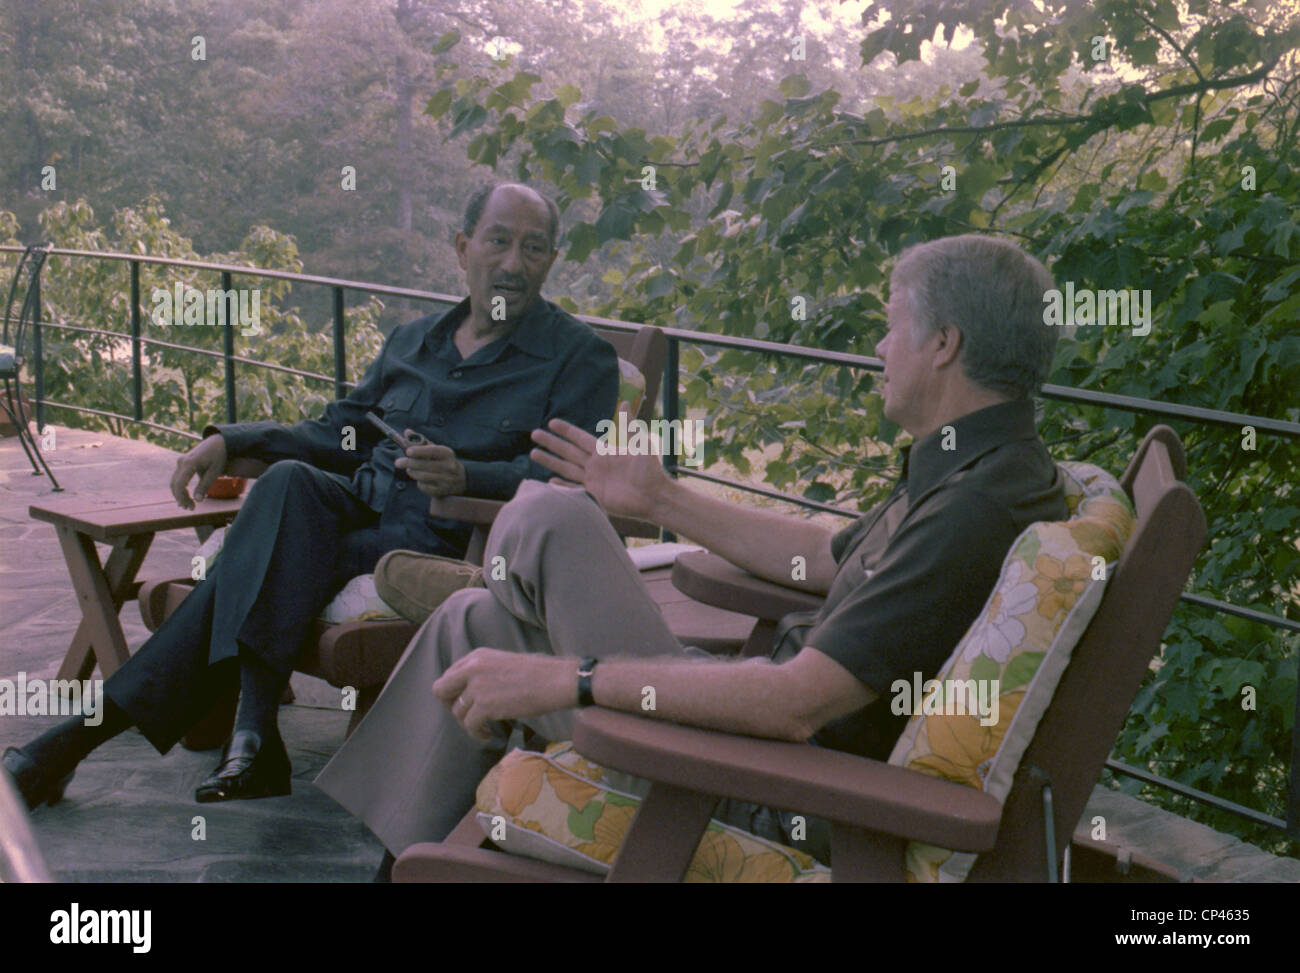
(630, 485)
(207, 461)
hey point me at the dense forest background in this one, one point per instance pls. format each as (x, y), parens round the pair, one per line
(750, 172)
(291, 91)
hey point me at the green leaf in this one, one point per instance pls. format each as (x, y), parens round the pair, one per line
(446, 42)
(1217, 129)
(437, 105)
(795, 86)
(467, 119)
(1020, 670)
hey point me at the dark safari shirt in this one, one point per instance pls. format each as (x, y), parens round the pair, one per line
(915, 571)
(484, 407)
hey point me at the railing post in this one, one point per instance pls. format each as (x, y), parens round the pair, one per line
(36, 349)
(671, 407)
(228, 349)
(340, 352)
(1293, 779)
(137, 381)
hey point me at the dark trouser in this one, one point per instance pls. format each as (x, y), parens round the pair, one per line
(299, 537)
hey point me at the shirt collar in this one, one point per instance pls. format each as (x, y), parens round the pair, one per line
(926, 462)
(532, 334)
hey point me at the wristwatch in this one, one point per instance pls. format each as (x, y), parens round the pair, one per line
(586, 666)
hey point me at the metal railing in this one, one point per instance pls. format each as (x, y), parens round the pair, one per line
(672, 410)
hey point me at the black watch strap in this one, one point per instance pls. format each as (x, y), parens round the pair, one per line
(586, 666)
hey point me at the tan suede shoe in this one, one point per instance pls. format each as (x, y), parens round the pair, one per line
(415, 584)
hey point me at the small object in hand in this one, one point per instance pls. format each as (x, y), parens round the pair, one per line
(227, 487)
(404, 442)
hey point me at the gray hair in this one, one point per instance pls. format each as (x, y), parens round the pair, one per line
(992, 292)
(478, 202)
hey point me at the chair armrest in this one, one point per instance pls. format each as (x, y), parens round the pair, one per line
(797, 776)
(715, 581)
(469, 510)
(472, 510)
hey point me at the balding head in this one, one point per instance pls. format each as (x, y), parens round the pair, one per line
(522, 194)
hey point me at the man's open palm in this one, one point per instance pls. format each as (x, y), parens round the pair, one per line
(622, 484)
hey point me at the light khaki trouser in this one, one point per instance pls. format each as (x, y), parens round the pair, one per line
(409, 770)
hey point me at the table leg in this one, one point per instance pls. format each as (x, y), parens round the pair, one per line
(101, 590)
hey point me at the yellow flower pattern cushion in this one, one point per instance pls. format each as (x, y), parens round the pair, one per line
(1015, 652)
(559, 807)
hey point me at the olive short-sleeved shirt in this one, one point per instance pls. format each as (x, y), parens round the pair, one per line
(915, 571)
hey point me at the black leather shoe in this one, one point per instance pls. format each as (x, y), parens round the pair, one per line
(34, 786)
(249, 768)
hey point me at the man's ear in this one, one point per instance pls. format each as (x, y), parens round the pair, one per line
(949, 346)
(462, 246)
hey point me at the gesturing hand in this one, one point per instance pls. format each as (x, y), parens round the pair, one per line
(435, 469)
(207, 460)
(622, 484)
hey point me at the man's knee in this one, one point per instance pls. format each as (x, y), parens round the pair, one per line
(540, 506)
(449, 631)
(283, 476)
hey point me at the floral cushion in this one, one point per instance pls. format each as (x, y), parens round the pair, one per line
(561, 808)
(357, 601)
(1014, 653)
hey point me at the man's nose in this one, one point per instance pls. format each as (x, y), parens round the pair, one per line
(513, 261)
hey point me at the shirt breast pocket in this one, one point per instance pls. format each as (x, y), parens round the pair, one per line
(398, 404)
(506, 432)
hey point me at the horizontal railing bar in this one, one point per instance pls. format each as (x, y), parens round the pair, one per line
(1193, 413)
(765, 492)
(118, 415)
(1230, 609)
(1196, 795)
(355, 285)
(197, 351)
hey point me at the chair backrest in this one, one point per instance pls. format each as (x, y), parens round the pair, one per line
(29, 265)
(1077, 732)
(647, 349)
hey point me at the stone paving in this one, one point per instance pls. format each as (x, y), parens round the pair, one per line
(130, 815)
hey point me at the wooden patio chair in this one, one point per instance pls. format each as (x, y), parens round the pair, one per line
(876, 808)
(12, 333)
(362, 654)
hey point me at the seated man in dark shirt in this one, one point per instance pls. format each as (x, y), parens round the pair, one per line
(339, 494)
(965, 352)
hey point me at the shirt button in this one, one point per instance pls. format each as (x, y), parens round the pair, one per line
(455, 373)
(439, 420)
(505, 423)
(401, 485)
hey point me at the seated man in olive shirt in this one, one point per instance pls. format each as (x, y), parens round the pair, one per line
(966, 350)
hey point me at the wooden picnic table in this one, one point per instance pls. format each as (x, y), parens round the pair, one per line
(103, 588)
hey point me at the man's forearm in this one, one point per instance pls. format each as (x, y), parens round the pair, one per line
(747, 697)
(760, 541)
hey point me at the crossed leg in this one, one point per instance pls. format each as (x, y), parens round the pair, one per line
(563, 585)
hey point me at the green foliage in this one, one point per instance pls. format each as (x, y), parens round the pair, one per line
(1164, 166)
(182, 389)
